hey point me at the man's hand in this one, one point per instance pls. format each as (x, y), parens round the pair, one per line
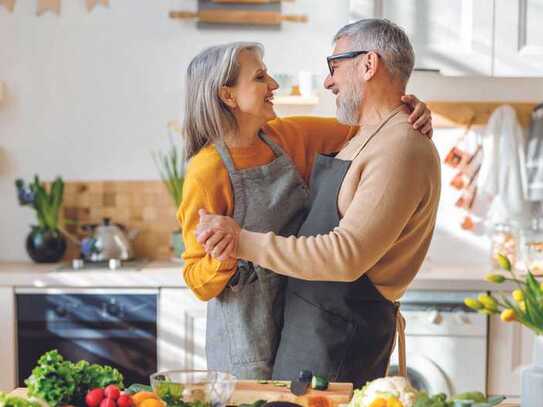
(421, 116)
(219, 235)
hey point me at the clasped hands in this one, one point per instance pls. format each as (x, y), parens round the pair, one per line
(219, 235)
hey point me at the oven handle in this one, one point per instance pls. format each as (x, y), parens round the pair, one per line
(85, 333)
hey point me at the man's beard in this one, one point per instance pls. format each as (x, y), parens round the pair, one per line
(348, 109)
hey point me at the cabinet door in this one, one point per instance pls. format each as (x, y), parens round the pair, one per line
(181, 330)
(510, 347)
(7, 339)
(519, 38)
(454, 36)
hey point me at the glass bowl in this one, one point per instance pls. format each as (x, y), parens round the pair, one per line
(193, 388)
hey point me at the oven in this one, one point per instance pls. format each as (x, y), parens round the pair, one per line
(104, 326)
(445, 343)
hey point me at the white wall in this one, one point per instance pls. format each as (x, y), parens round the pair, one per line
(89, 95)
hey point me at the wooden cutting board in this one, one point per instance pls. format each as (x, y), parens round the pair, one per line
(249, 391)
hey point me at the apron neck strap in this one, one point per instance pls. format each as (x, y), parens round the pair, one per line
(223, 151)
(379, 127)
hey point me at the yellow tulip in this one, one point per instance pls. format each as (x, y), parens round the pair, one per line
(473, 303)
(494, 278)
(503, 261)
(518, 295)
(508, 315)
(488, 302)
(541, 286)
(522, 306)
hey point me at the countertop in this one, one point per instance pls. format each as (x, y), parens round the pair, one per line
(167, 274)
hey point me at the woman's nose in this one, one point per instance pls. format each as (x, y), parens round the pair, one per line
(273, 84)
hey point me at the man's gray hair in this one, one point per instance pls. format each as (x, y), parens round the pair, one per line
(387, 39)
(207, 118)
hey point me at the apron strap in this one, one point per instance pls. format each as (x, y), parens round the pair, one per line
(385, 121)
(399, 339)
(400, 330)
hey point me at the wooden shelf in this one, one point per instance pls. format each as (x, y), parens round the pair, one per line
(295, 100)
(461, 114)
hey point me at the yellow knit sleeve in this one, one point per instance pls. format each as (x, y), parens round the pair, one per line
(204, 275)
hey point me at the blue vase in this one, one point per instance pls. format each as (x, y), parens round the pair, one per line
(532, 378)
(177, 245)
(45, 246)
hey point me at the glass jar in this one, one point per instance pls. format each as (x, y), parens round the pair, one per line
(503, 241)
(531, 246)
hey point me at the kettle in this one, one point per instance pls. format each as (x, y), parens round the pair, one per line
(107, 241)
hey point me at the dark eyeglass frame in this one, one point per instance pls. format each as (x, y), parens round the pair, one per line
(342, 55)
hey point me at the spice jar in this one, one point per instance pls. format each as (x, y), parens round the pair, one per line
(531, 246)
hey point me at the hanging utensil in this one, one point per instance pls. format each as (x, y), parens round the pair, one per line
(217, 16)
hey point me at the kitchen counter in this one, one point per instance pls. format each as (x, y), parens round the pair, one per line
(167, 274)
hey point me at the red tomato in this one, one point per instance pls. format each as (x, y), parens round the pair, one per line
(108, 402)
(124, 401)
(94, 397)
(112, 392)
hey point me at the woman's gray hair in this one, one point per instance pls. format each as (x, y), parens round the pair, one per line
(387, 39)
(207, 118)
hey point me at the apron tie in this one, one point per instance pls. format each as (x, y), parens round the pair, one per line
(400, 330)
(399, 338)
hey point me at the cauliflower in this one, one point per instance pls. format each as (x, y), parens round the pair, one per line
(386, 387)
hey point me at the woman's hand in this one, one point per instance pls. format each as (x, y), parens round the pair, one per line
(219, 235)
(421, 116)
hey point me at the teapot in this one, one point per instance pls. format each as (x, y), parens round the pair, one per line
(107, 241)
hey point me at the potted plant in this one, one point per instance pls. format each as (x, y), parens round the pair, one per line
(171, 168)
(525, 306)
(45, 242)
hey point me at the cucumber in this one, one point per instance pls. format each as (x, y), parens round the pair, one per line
(319, 382)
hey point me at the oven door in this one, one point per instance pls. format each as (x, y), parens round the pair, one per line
(107, 327)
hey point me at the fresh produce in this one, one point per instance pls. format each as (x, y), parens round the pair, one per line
(124, 401)
(137, 387)
(108, 402)
(475, 396)
(438, 400)
(319, 382)
(7, 400)
(59, 381)
(112, 392)
(385, 392)
(94, 397)
(141, 396)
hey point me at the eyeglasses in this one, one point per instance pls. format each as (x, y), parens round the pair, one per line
(343, 55)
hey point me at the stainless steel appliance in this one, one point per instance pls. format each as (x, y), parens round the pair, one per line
(445, 341)
(106, 326)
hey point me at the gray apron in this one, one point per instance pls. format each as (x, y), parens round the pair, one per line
(344, 331)
(244, 322)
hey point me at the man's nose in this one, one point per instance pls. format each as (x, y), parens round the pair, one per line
(328, 81)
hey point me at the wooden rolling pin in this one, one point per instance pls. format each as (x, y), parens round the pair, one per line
(250, 1)
(239, 17)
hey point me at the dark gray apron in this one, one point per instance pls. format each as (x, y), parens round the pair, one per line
(344, 331)
(244, 322)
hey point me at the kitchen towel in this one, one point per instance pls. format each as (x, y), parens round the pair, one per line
(502, 178)
(534, 156)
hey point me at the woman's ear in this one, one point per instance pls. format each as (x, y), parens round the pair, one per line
(227, 96)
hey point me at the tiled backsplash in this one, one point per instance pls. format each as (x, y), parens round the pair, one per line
(142, 205)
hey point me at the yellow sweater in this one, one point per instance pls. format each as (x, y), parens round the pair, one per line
(207, 186)
(387, 203)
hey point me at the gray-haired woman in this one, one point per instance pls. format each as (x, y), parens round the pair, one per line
(248, 164)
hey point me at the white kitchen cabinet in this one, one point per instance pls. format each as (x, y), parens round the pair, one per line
(7, 339)
(181, 330)
(510, 348)
(454, 36)
(518, 46)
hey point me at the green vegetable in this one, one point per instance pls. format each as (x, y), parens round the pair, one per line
(137, 387)
(475, 396)
(319, 382)
(262, 381)
(439, 400)
(280, 383)
(13, 401)
(170, 393)
(59, 381)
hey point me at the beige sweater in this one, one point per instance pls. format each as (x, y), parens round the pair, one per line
(387, 204)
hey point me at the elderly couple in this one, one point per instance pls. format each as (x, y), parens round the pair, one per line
(303, 232)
